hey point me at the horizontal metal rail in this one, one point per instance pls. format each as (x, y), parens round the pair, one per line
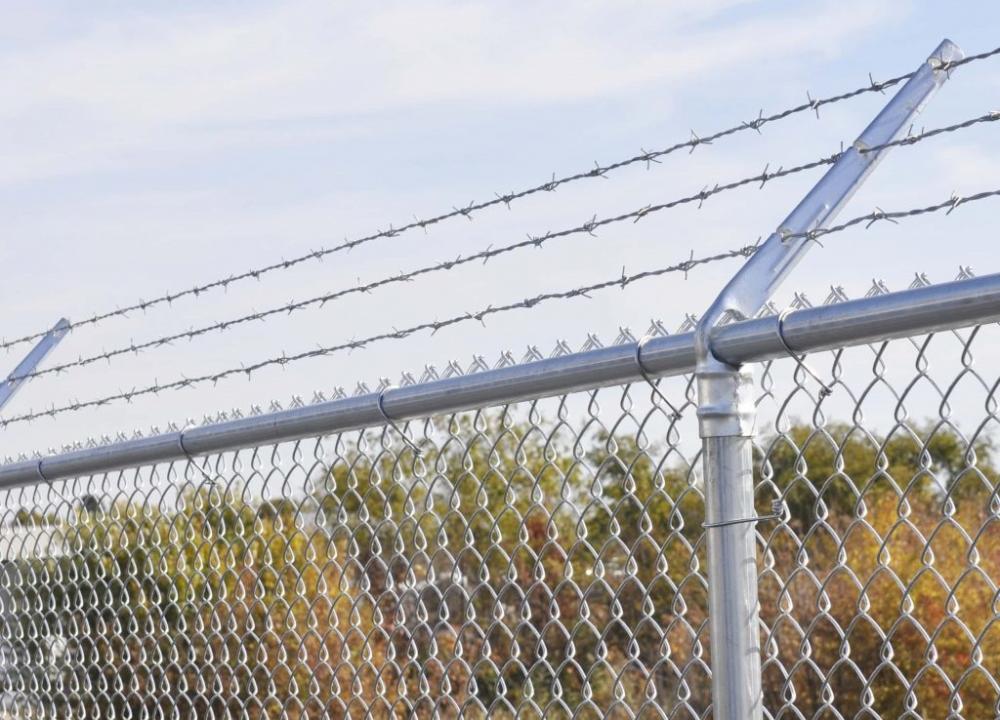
(918, 311)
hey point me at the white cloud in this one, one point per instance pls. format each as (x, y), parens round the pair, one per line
(187, 81)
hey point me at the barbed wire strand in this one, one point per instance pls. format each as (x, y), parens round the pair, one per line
(949, 206)
(623, 281)
(598, 170)
(434, 326)
(485, 255)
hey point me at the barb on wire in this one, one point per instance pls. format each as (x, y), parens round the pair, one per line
(894, 216)
(647, 157)
(587, 227)
(395, 334)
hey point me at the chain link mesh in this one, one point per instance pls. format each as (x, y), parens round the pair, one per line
(543, 559)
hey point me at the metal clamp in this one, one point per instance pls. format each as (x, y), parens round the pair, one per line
(379, 402)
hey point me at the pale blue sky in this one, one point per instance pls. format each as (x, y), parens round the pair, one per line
(149, 147)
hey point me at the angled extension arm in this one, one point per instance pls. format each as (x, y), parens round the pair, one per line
(32, 360)
(726, 410)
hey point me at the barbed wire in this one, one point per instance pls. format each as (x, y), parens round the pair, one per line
(588, 227)
(623, 281)
(647, 157)
(877, 215)
(395, 334)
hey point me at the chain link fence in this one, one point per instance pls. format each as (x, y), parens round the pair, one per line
(530, 541)
(540, 559)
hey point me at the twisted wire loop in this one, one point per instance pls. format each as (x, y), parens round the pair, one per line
(654, 385)
(51, 487)
(380, 404)
(825, 389)
(545, 558)
(191, 462)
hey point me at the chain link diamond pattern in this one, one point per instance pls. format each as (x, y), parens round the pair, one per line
(544, 559)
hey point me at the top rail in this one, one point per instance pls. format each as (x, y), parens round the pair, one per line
(856, 322)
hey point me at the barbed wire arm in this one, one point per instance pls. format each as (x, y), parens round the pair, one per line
(27, 368)
(726, 408)
(756, 281)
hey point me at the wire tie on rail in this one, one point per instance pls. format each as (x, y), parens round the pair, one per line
(825, 390)
(48, 483)
(674, 413)
(380, 404)
(191, 461)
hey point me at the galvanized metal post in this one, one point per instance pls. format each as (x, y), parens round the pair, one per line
(726, 412)
(14, 381)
